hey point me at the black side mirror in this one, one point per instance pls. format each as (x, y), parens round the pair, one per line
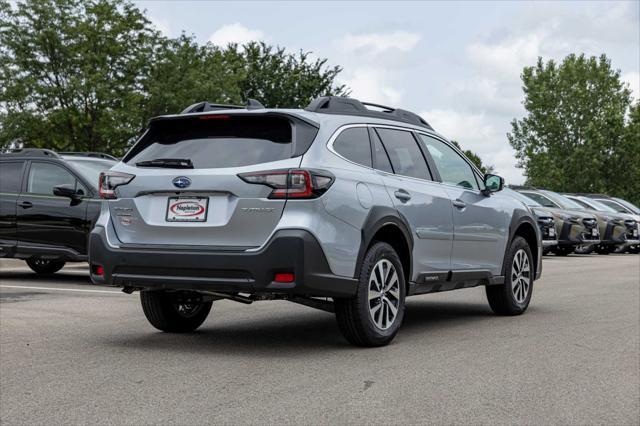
(492, 183)
(68, 191)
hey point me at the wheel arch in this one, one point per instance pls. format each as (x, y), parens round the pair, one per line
(387, 225)
(523, 225)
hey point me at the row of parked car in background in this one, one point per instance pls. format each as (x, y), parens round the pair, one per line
(583, 223)
(55, 200)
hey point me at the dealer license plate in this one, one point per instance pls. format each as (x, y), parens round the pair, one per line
(187, 209)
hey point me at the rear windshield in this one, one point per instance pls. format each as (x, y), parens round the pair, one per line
(216, 141)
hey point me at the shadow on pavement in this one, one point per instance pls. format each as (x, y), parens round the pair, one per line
(296, 333)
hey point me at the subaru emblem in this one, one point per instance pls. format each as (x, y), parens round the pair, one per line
(181, 182)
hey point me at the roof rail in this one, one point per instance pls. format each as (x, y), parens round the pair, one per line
(32, 152)
(350, 106)
(90, 154)
(206, 106)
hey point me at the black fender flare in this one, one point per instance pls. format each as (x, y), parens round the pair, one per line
(378, 217)
(518, 218)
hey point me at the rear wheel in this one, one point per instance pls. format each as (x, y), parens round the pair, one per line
(513, 297)
(174, 312)
(44, 266)
(374, 315)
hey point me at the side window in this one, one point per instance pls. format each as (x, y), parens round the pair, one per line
(44, 176)
(353, 144)
(380, 158)
(404, 153)
(11, 177)
(452, 167)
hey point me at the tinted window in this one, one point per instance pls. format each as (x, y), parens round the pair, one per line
(44, 176)
(540, 199)
(404, 153)
(452, 167)
(224, 141)
(353, 144)
(380, 156)
(10, 177)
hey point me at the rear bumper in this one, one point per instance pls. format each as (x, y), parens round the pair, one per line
(292, 251)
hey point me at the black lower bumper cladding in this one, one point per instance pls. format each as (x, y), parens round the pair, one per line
(290, 251)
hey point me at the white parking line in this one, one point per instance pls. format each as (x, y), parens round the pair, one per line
(61, 289)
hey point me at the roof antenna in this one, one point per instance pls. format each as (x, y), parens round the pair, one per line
(253, 104)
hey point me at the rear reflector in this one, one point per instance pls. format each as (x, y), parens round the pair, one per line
(284, 277)
(97, 270)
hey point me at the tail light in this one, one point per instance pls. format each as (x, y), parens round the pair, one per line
(109, 181)
(292, 183)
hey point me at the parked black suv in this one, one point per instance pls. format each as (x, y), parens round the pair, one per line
(48, 204)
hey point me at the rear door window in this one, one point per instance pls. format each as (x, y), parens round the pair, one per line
(11, 177)
(353, 144)
(404, 153)
(216, 141)
(380, 157)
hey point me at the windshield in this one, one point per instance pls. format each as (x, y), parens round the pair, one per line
(627, 204)
(91, 169)
(597, 205)
(540, 199)
(563, 201)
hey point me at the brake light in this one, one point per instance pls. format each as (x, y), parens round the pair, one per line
(109, 181)
(292, 183)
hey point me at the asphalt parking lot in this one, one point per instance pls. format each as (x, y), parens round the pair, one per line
(71, 352)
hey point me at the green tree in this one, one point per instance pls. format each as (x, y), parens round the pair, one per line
(87, 75)
(574, 136)
(475, 159)
(72, 73)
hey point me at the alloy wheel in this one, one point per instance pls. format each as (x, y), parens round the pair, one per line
(520, 276)
(384, 294)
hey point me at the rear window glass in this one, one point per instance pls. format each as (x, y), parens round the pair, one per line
(216, 141)
(353, 144)
(10, 177)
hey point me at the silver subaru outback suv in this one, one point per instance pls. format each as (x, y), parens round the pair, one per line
(342, 206)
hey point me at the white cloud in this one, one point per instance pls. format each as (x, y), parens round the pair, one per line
(633, 78)
(372, 85)
(235, 33)
(376, 43)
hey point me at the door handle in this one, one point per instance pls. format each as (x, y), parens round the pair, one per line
(26, 204)
(402, 195)
(459, 204)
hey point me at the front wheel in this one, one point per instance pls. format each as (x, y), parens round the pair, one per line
(174, 312)
(374, 315)
(44, 266)
(513, 297)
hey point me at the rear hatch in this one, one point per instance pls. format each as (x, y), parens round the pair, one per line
(186, 190)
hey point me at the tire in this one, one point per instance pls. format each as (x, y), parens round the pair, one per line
(44, 266)
(605, 250)
(563, 251)
(367, 319)
(170, 312)
(584, 249)
(513, 297)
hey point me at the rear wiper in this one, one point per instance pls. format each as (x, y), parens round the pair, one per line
(170, 163)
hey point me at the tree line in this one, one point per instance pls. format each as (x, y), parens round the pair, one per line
(86, 75)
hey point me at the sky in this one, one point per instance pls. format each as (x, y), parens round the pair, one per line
(457, 64)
